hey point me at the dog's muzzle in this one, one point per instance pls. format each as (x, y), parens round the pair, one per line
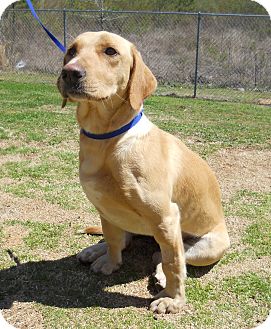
(72, 76)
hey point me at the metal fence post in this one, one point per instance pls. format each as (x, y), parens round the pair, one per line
(65, 28)
(197, 56)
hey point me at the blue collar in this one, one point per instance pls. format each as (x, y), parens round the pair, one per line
(114, 133)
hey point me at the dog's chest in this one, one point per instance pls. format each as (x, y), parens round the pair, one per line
(115, 203)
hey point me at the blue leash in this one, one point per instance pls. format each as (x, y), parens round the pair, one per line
(55, 40)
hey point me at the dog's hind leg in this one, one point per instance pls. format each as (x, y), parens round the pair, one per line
(199, 251)
(207, 249)
(158, 273)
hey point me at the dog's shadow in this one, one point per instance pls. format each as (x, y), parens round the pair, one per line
(66, 283)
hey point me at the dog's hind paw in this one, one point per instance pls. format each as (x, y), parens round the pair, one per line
(90, 254)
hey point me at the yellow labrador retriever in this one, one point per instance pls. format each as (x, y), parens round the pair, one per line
(141, 179)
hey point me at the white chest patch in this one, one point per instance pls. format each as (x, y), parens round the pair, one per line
(127, 141)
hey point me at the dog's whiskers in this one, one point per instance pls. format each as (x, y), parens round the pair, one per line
(103, 104)
(112, 106)
(123, 99)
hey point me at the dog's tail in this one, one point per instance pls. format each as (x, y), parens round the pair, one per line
(93, 230)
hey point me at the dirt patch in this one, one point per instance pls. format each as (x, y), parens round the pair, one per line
(236, 226)
(259, 265)
(71, 145)
(4, 143)
(14, 235)
(134, 288)
(242, 169)
(7, 181)
(24, 209)
(23, 316)
(10, 158)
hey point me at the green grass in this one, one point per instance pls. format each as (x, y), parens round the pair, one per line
(179, 90)
(239, 124)
(40, 162)
(41, 235)
(215, 93)
(258, 236)
(211, 125)
(18, 150)
(249, 286)
(250, 205)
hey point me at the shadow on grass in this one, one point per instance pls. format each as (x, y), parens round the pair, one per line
(66, 283)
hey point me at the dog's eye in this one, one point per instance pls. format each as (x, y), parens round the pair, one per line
(71, 52)
(110, 51)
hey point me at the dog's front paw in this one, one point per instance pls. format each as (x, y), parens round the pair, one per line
(166, 304)
(105, 265)
(90, 254)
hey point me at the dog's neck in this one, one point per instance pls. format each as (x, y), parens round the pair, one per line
(104, 116)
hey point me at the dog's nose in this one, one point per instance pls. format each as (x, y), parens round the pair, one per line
(72, 73)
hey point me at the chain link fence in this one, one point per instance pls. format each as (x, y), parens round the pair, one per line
(216, 56)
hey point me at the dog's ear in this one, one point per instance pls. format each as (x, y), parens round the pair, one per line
(64, 96)
(142, 81)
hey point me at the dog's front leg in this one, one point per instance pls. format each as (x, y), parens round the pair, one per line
(168, 235)
(116, 240)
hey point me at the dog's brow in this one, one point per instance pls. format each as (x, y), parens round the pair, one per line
(101, 46)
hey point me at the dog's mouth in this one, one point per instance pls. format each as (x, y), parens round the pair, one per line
(76, 92)
(79, 91)
(80, 94)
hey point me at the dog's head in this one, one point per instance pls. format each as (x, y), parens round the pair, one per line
(102, 65)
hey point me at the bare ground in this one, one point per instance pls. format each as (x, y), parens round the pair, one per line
(24, 316)
(239, 169)
(14, 236)
(24, 209)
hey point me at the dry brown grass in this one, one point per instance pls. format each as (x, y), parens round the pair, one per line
(239, 169)
(24, 209)
(24, 316)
